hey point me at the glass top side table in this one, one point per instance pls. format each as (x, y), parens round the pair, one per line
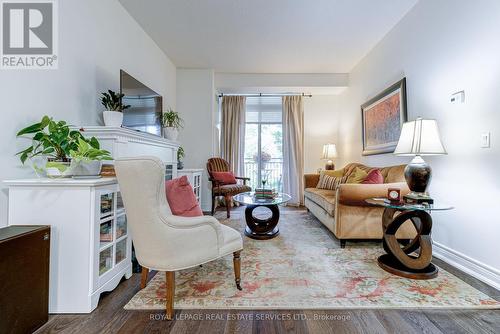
(401, 260)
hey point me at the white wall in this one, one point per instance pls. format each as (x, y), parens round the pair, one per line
(321, 115)
(96, 39)
(443, 47)
(196, 103)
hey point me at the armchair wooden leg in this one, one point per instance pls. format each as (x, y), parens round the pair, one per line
(213, 204)
(144, 277)
(227, 199)
(237, 269)
(170, 275)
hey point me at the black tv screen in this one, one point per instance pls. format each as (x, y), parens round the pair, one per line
(145, 109)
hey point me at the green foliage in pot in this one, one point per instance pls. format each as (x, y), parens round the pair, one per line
(53, 139)
(172, 119)
(88, 151)
(180, 154)
(113, 101)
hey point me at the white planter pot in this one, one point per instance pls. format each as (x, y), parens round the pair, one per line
(112, 118)
(86, 168)
(55, 169)
(170, 133)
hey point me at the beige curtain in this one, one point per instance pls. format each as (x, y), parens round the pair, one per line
(233, 132)
(293, 148)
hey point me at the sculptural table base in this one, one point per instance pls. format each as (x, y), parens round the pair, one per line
(398, 260)
(262, 228)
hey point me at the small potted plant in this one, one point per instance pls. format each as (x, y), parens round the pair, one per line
(86, 160)
(52, 140)
(113, 115)
(180, 157)
(171, 123)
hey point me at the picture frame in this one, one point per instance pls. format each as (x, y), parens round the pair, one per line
(382, 119)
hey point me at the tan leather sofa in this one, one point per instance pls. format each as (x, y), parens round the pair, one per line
(345, 212)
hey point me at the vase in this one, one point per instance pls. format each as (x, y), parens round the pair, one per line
(86, 168)
(112, 118)
(170, 133)
(55, 169)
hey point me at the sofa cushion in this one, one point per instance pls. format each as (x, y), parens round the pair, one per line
(334, 173)
(357, 176)
(374, 177)
(323, 197)
(328, 182)
(224, 177)
(181, 198)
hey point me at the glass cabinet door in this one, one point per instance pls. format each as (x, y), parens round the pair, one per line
(105, 260)
(106, 207)
(121, 250)
(105, 233)
(121, 226)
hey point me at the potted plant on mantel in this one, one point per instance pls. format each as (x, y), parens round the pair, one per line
(86, 160)
(52, 140)
(171, 122)
(180, 157)
(113, 115)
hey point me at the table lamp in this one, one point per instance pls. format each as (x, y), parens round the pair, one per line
(329, 153)
(418, 138)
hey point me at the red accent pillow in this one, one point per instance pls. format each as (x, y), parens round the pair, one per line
(374, 177)
(181, 198)
(224, 177)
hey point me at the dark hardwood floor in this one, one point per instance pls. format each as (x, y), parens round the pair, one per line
(110, 317)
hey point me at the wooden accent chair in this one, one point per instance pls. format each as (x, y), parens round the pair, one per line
(165, 242)
(226, 190)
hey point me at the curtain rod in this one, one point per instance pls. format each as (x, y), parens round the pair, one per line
(266, 95)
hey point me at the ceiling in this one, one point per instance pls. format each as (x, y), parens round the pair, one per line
(268, 36)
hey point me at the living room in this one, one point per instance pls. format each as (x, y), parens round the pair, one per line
(280, 94)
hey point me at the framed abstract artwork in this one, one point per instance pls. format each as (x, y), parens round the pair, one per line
(382, 118)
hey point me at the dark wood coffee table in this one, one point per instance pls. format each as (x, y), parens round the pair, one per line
(399, 259)
(261, 228)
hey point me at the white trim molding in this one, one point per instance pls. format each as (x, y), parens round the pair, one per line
(481, 271)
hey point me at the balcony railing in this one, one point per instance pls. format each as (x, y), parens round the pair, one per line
(272, 171)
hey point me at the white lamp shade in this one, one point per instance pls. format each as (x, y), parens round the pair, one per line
(329, 152)
(420, 137)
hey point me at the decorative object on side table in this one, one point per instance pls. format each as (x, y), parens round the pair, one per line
(171, 122)
(419, 137)
(261, 229)
(394, 195)
(113, 115)
(382, 119)
(53, 141)
(400, 260)
(329, 153)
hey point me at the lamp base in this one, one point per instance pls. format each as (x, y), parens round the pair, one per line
(418, 175)
(329, 165)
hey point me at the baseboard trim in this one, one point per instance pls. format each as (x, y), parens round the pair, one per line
(481, 271)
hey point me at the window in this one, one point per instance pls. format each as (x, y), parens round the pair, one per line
(264, 142)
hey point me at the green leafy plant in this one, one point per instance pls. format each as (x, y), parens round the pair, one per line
(89, 151)
(172, 119)
(49, 138)
(113, 101)
(180, 154)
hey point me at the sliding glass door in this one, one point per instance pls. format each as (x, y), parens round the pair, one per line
(264, 142)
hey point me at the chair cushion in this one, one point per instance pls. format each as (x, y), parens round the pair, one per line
(232, 189)
(181, 198)
(374, 177)
(232, 240)
(224, 177)
(323, 197)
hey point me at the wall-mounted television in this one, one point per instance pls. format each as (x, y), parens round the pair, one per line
(145, 109)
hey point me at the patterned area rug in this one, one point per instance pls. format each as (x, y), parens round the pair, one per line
(303, 268)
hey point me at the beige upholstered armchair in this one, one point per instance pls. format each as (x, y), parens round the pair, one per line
(165, 242)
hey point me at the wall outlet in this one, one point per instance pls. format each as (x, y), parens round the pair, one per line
(458, 97)
(485, 140)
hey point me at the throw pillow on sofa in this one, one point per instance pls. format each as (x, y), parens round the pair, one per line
(334, 173)
(329, 182)
(181, 198)
(374, 177)
(357, 176)
(224, 177)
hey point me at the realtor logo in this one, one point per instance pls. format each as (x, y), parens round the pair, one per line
(29, 34)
